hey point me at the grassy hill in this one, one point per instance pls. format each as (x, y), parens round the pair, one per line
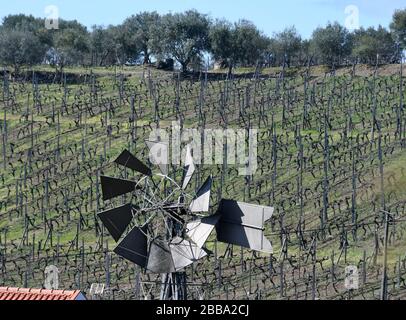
(331, 160)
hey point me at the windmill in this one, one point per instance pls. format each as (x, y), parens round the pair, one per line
(164, 228)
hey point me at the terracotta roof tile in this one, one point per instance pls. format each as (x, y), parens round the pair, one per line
(8, 293)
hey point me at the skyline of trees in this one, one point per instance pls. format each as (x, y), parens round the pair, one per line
(189, 38)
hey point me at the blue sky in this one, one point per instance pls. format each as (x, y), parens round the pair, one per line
(269, 15)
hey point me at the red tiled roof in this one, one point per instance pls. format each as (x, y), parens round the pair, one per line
(7, 293)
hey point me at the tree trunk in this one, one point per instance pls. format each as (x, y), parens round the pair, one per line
(104, 57)
(146, 58)
(16, 69)
(184, 67)
(230, 70)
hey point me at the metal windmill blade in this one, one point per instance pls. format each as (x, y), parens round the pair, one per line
(128, 160)
(112, 187)
(159, 152)
(185, 253)
(201, 202)
(189, 168)
(200, 230)
(117, 220)
(134, 246)
(160, 258)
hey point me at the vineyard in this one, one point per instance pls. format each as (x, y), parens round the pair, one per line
(331, 161)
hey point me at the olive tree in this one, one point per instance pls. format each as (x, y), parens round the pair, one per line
(237, 44)
(183, 36)
(19, 48)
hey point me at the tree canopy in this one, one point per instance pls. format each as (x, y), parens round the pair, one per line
(19, 48)
(240, 43)
(184, 36)
(190, 37)
(372, 45)
(139, 31)
(70, 45)
(398, 27)
(333, 43)
(286, 45)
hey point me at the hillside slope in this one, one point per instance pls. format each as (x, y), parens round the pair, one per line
(331, 160)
